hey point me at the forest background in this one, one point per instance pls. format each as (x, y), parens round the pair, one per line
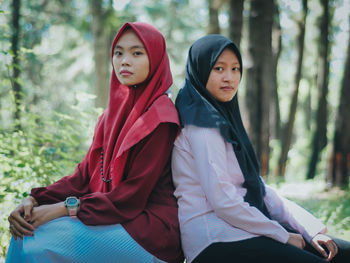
(294, 96)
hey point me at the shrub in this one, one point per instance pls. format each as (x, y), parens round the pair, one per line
(44, 150)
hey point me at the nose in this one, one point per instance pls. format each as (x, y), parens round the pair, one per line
(125, 60)
(228, 76)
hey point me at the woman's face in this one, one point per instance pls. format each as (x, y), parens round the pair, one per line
(130, 59)
(224, 77)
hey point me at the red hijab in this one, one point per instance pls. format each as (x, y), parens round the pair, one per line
(132, 112)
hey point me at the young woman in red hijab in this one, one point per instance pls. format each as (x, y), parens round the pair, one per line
(118, 205)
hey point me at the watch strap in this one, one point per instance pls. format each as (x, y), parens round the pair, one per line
(72, 211)
(72, 208)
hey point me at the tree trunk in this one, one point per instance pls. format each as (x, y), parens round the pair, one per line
(319, 140)
(259, 78)
(308, 104)
(236, 20)
(213, 7)
(16, 86)
(275, 116)
(340, 160)
(101, 53)
(288, 129)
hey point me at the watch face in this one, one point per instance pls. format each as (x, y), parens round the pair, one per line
(72, 201)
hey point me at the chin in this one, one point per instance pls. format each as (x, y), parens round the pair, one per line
(129, 84)
(231, 98)
(226, 99)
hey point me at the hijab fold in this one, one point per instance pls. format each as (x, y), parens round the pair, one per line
(198, 107)
(132, 112)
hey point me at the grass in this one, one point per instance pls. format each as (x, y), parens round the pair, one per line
(331, 207)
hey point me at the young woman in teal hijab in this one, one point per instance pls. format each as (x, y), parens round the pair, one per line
(226, 212)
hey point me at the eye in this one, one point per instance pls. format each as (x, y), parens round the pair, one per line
(138, 53)
(118, 53)
(218, 68)
(235, 69)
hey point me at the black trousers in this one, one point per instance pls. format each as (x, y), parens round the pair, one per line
(266, 250)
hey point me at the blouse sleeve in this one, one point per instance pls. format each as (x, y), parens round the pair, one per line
(129, 199)
(210, 157)
(76, 184)
(292, 216)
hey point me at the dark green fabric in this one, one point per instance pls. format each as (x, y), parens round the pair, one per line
(198, 107)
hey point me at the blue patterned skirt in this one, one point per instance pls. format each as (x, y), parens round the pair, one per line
(69, 240)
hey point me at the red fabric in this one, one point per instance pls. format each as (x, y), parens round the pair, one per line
(122, 125)
(137, 132)
(143, 203)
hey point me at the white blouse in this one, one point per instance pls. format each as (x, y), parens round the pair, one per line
(210, 196)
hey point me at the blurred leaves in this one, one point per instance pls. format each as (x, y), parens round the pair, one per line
(47, 149)
(335, 214)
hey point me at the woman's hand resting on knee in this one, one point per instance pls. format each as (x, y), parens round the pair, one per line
(46, 213)
(317, 242)
(326, 241)
(21, 217)
(28, 216)
(296, 240)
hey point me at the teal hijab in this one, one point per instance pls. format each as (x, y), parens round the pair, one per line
(198, 107)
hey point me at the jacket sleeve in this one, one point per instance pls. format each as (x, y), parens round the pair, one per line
(76, 184)
(129, 199)
(210, 156)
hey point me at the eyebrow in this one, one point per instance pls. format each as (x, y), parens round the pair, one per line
(132, 47)
(221, 62)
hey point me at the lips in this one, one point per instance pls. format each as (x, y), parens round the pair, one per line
(125, 72)
(227, 88)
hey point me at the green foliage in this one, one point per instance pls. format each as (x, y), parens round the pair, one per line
(335, 214)
(332, 207)
(46, 149)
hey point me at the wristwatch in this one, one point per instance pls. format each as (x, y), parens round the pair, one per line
(72, 203)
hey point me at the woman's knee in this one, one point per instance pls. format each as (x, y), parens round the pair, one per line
(31, 249)
(343, 255)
